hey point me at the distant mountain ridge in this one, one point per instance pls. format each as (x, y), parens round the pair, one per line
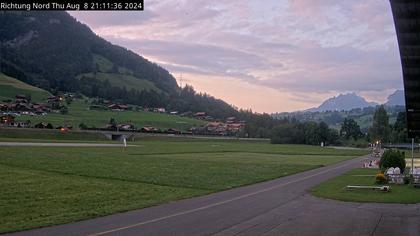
(349, 101)
(334, 110)
(342, 102)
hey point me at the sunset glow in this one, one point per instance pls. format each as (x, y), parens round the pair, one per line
(277, 56)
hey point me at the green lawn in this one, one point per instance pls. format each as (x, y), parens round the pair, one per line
(79, 113)
(11, 134)
(335, 189)
(51, 185)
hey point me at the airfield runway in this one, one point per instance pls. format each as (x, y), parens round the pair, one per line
(278, 207)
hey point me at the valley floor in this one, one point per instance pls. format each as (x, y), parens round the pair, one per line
(277, 207)
(55, 185)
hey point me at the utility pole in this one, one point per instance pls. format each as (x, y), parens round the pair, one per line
(180, 81)
(412, 156)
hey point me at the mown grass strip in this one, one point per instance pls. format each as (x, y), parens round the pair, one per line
(31, 199)
(335, 189)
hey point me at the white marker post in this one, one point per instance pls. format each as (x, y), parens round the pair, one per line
(125, 142)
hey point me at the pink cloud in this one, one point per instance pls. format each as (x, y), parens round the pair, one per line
(295, 47)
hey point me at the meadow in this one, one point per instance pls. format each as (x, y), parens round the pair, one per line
(79, 113)
(10, 87)
(44, 186)
(78, 110)
(49, 135)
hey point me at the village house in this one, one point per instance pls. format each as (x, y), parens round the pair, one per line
(118, 107)
(126, 127)
(235, 127)
(173, 131)
(21, 98)
(23, 106)
(40, 108)
(7, 120)
(186, 114)
(111, 126)
(149, 129)
(159, 110)
(219, 128)
(20, 106)
(200, 115)
(231, 120)
(208, 118)
(3, 107)
(54, 99)
(22, 124)
(44, 125)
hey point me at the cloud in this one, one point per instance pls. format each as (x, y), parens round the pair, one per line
(199, 58)
(317, 47)
(97, 19)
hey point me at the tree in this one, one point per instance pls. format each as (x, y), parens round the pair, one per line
(401, 123)
(311, 133)
(83, 126)
(113, 122)
(350, 129)
(380, 129)
(324, 132)
(287, 134)
(399, 129)
(68, 100)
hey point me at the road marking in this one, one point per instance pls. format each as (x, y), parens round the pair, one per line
(217, 203)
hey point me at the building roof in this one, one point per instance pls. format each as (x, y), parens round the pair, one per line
(407, 24)
(200, 114)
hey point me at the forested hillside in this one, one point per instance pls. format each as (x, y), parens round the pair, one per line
(49, 49)
(55, 52)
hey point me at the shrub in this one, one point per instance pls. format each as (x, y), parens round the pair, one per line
(392, 158)
(83, 126)
(406, 179)
(381, 179)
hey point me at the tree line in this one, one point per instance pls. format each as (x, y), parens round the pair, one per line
(292, 131)
(381, 129)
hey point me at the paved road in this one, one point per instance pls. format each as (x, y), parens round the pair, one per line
(31, 144)
(277, 207)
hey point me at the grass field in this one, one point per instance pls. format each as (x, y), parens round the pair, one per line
(79, 113)
(10, 87)
(52, 185)
(11, 134)
(335, 189)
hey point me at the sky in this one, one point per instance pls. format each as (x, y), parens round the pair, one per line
(268, 56)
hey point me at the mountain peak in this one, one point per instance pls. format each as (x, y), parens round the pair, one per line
(345, 102)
